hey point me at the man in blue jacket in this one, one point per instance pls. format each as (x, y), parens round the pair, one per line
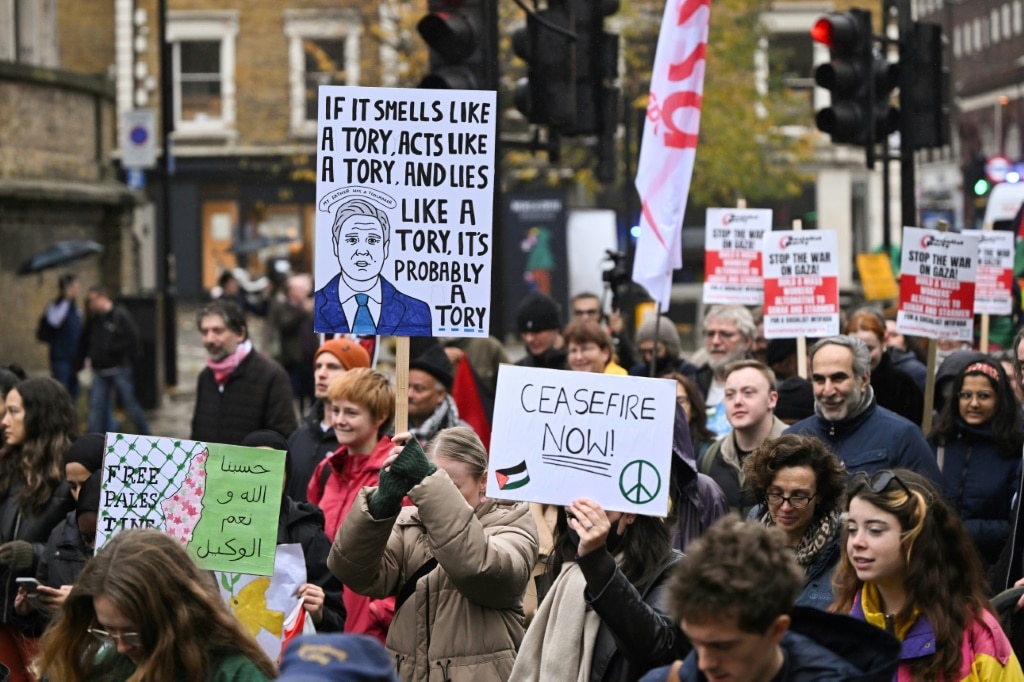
(864, 435)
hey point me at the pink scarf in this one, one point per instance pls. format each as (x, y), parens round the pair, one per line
(222, 369)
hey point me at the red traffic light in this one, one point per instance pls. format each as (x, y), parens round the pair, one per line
(841, 32)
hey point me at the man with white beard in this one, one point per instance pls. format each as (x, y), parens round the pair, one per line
(728, 335)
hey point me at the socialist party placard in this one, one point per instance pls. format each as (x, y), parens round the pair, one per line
(993, 290)
(801, 284)
(939, 270)
(732, 254)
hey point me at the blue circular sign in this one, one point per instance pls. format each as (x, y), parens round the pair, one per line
(138, 135)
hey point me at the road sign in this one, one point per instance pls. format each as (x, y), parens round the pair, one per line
(138, 146)
(996, 168)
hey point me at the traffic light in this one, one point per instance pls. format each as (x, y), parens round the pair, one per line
(929, 96)
(458, 33)
(849, 76)
(547, 95)
(976, 182)
(597, 65)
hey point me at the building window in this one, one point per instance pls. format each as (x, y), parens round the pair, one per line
(1007, 31)
(203, 53)
(1018, 11)
(957, 46)
(993, 24)
(323, 49)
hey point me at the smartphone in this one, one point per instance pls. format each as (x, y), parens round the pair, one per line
(29, 584)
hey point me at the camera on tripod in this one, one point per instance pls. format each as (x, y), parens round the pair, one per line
(617, 277)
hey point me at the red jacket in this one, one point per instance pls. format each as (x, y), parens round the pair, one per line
(350, 473)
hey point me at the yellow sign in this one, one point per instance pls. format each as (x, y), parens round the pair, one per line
(876, 276)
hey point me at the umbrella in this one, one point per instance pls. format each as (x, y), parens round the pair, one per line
(260, 243)
(59, 254)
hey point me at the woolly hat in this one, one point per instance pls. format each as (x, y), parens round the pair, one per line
(434, 361)
(349, 353)
(668, 335)
(538, 313)
(87, 451)
(778, 350)
(796, 399)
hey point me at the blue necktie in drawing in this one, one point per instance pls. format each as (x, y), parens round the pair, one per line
(364, 321)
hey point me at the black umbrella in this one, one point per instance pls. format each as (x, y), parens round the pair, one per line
(260, 243)
(59, 254)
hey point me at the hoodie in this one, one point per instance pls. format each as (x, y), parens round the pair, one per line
(697, 501)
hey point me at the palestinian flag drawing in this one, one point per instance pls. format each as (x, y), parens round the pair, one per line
(513, 477)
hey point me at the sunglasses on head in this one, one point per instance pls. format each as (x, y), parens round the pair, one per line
(878, 481)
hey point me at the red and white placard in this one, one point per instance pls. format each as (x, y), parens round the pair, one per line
(801, 284)
(732, 254)
(939, 270)
(993, 291)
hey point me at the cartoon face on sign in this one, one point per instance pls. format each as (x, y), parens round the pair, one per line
(359, 300)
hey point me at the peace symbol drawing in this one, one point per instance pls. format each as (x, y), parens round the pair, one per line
(639, 481)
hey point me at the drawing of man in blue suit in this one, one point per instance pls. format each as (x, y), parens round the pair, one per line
(358, 299)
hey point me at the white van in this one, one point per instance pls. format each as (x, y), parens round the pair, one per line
(1003, 203)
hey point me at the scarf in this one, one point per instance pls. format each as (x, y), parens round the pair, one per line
(559, 644)
(871, 604)
(222, 369)
(444, 417)
(816, 538)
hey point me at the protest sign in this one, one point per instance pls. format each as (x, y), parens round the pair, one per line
(993, 290)
(732, 254)
(220, 501)
(801, 284)
(937, 284)
(405, 183)
(263, 603)
(558, 436)
(876, 276)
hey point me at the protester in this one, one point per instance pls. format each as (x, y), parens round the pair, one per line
(10, 375)
(894, 389)
(39, 425)
(61, 328)
(977, 441)
(539, 321)
(343, 658)
(362, 410)
(142, 610)
(82, 459)
(692, 402)
(864, 435)
(733, 596)
(696, 500)
(290, 315)
(586, 306)
(906, 354)
(800, 485)
(301, 523)
(909, 567)
(109, 343)
(240, 390)
(658, 343)
(315, 439)
(729, 332)
(457, 563)
(590, 349)
(431, 406)
(601, 619)
(749, 400)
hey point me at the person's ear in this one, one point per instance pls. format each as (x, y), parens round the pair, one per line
(778, 628)
(625, 521)
(483, 482)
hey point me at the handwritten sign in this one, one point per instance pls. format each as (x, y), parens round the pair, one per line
(561, 435)
(937, 285)
(221, 501)
(801, 284)
(993, 291)
(405, 184)
(732, 255)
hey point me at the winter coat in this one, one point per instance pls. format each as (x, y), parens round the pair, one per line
(65, 554)
(349, 474)
(906, 361)
(1010, 566)
(308, 445)
(819, 647)
(257, 395)
(722, 463)
(873, 439)
(981, 484)
(34, 527)
(108, 340)
(697, 500)
(464, 619)
(64, 339)
(302, 523)
(550, 359)
(987, 655)
(895, 390)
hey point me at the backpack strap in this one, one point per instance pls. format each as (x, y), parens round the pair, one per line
(410, 585)
(707, 460)
(325, 475)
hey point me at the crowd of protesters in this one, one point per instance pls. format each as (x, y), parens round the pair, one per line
(816, 532)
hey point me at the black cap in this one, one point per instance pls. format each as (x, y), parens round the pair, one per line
(796, 399)
(434, 361)
(87, 451)
(538, 313)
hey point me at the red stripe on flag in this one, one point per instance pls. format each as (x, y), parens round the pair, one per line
(689, 8)
(684, 69)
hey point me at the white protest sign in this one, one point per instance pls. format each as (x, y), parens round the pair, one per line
(801, 284)
(938, 272)
(559, 435)
(993, 290)
(405, 183)
(732, 254)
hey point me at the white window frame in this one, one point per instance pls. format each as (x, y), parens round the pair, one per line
(221, 26)
(316, 23)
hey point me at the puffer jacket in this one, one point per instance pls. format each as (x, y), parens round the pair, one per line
(464, 621)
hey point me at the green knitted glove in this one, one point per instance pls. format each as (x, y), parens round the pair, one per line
(386, 501)
(412, 464)
(17, 555)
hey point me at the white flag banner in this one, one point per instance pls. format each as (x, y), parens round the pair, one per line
(669, 144)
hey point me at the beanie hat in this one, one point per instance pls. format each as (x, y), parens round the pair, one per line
(435, 363)
(87, 451)
(89, 494)
(668, 335)
(349, 352)
(796, 399)
(336, 656)
(778, 350)
(538, 313)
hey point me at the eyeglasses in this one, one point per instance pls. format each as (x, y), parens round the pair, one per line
(725, 336)
(982, 396)
(795, 501)
(877, 482)
(589, 312)
(129, 638)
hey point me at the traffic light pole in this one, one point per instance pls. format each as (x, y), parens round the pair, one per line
(908, 196)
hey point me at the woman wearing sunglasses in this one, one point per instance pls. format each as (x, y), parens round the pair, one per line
(909, 567)
(800, 485)
(977, 443)
(142, 610)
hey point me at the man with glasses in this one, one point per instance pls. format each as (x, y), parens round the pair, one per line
(587, 306)
(729, 332)
(864, 435)
(750, 399)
